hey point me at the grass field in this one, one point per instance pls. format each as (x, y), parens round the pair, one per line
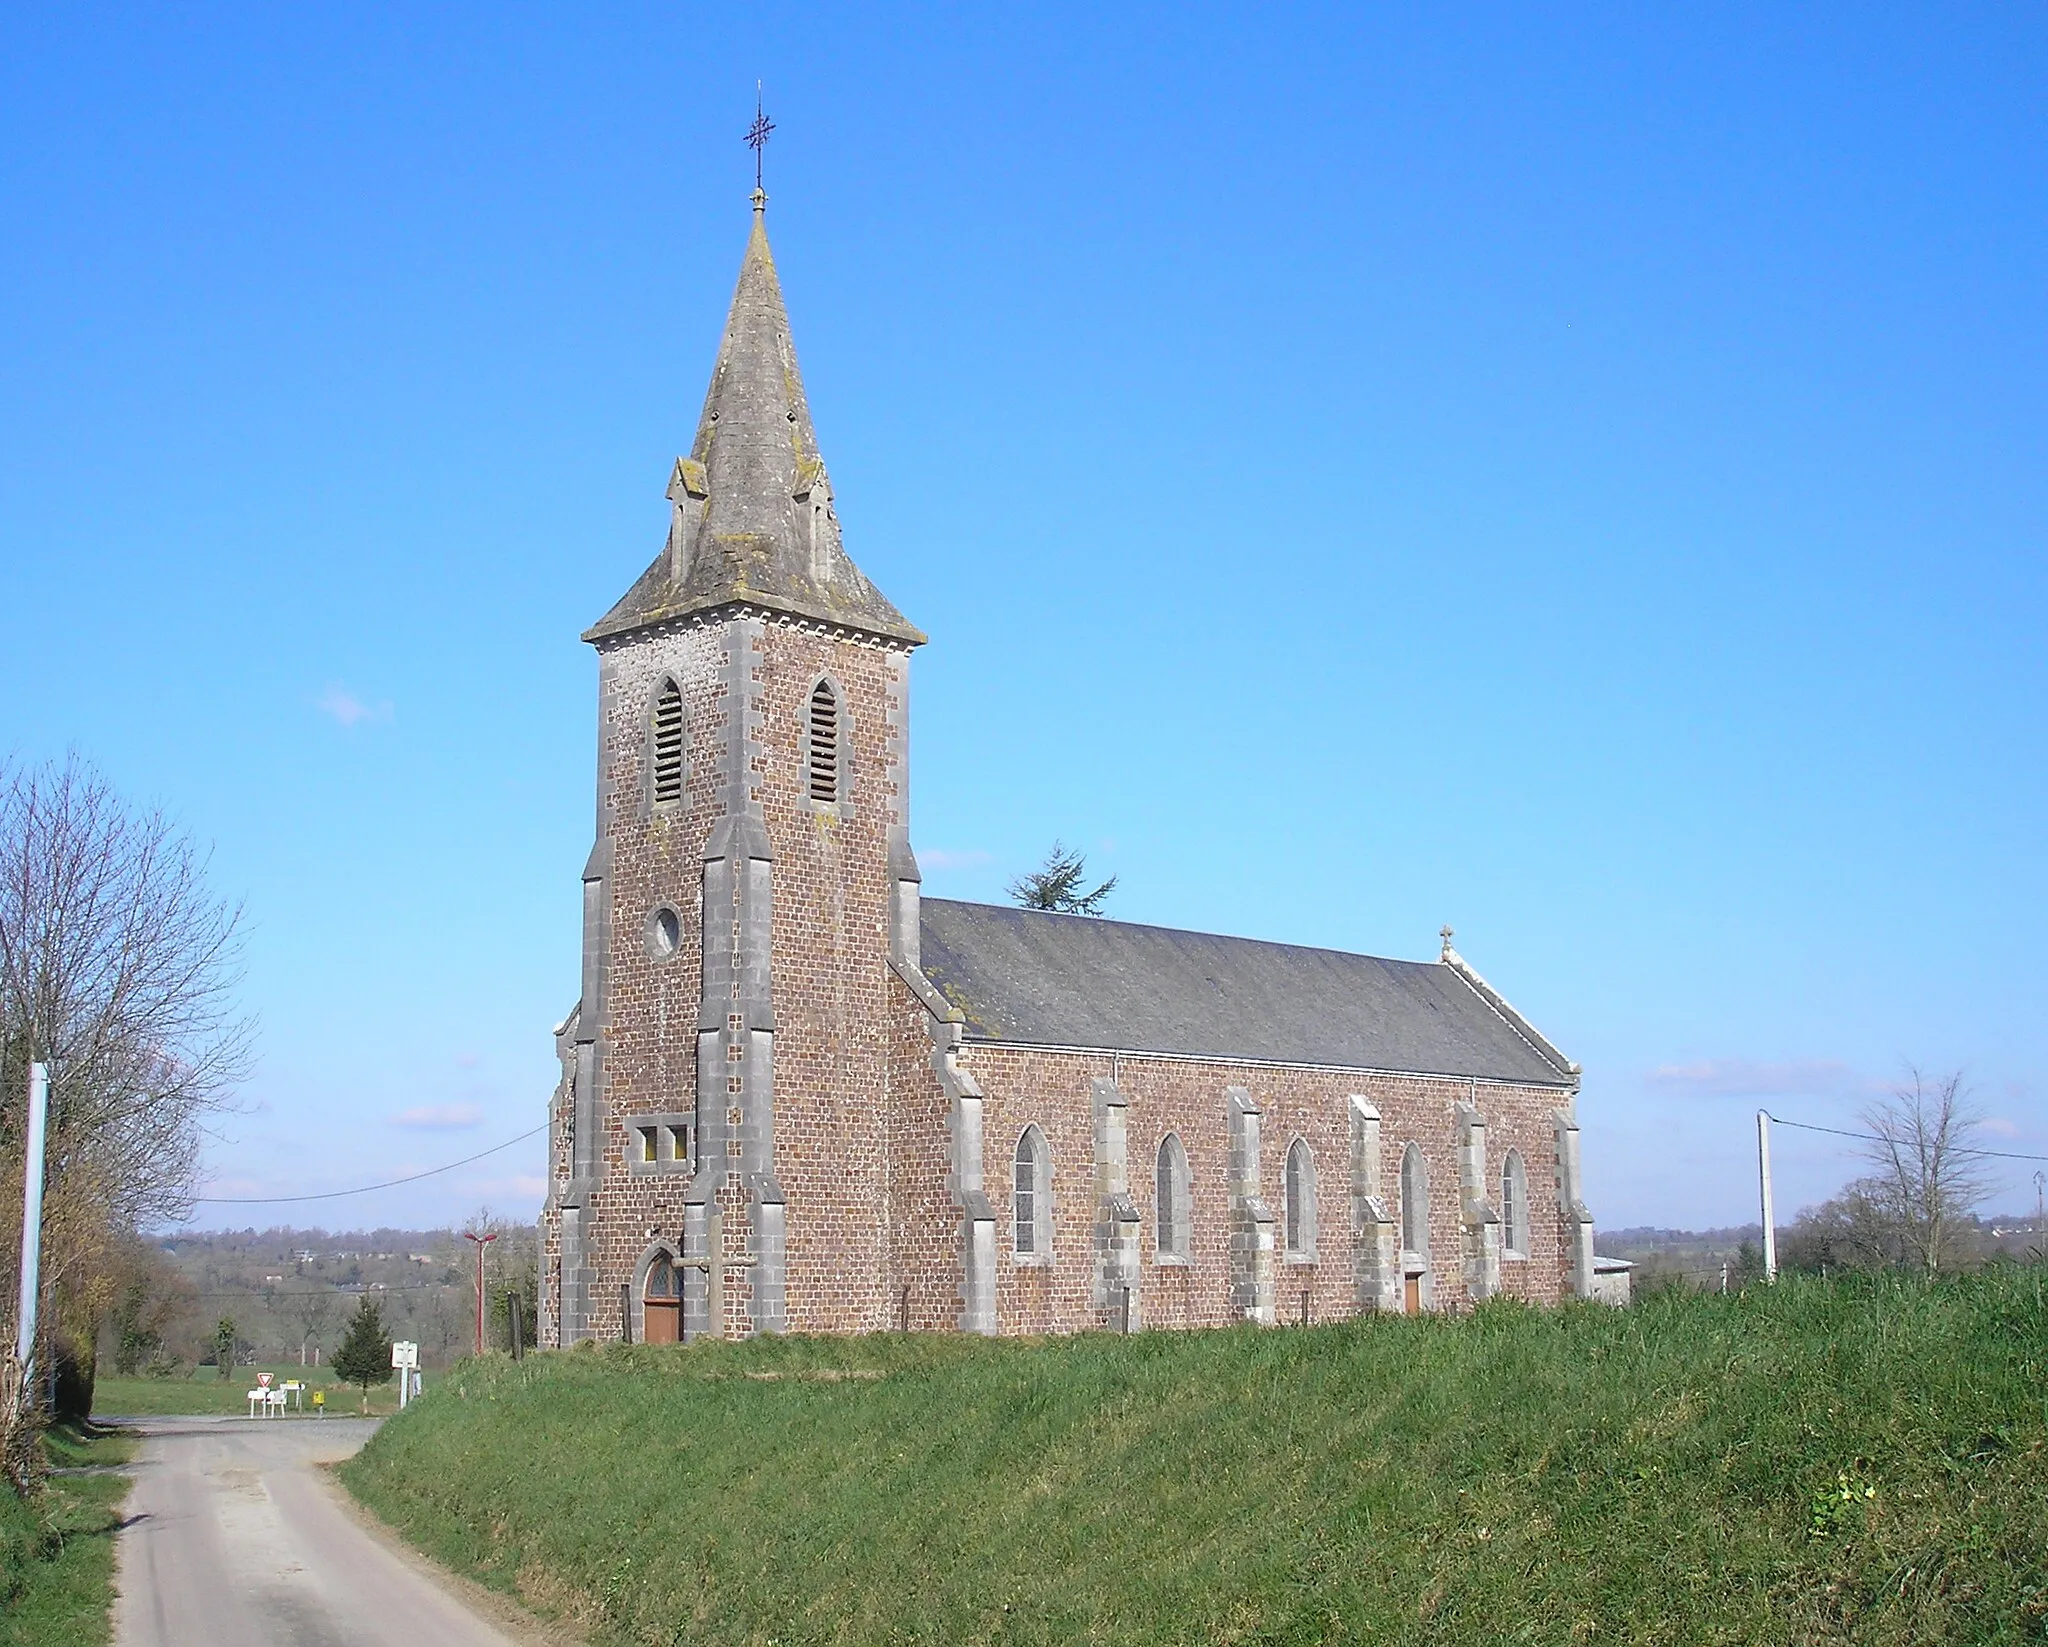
(57, 1555)
(1810, 1462)
(206, 1392)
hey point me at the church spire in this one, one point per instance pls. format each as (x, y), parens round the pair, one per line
(753, 521)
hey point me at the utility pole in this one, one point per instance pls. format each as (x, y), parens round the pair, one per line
(1763, 1173)
(32, 1222)
(482, 1241)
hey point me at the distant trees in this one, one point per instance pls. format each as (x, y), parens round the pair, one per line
(363, 1357)
(149, 1298)
(118, 969)
(510, 1269)
(1847, 1232)
(310, 1312)
(444, 1319)
(1913, 1210)
(1056, 885)
(523, 1284)
(1928, 1177)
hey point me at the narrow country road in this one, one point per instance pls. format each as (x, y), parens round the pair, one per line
(233, 1539)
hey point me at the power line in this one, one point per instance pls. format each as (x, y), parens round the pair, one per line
(389, 1183)
(1872, 1138)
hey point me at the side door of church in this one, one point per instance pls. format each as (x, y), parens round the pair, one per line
(662, 1304)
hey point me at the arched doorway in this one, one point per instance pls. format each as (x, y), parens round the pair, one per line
(662, 1303)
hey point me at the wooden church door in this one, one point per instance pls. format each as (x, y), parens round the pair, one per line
(1413, 1300)
(662, 1304)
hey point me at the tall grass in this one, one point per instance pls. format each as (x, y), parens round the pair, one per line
(1815, 1461)
(57, 1551)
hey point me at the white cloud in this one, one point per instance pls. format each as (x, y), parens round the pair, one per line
(2000, 1125)
(1748, 1078)
(938, 858)
(440, 1117)
(349, 710)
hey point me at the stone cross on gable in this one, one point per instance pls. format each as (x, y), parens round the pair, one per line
(714, 1264)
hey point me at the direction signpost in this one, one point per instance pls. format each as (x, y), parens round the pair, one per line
(405, 1360)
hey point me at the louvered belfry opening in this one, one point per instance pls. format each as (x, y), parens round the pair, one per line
(668, 744)
(824, 762)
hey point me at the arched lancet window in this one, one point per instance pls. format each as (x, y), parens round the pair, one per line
(1170, 1229)
(1300, 1191)
(1414, 1202)
(822, 741)
(662, 1303)
(1029, 1208)
(1514, 1206)
(665, 737)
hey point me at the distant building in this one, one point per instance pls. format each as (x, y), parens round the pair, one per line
(1613, 1279)
(796, 1095)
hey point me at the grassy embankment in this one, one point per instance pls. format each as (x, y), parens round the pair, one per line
(1810, 1462)
(205, 1391)
(57, 1555)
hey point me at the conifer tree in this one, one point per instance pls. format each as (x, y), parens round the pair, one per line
(364, 1354)
(1056, 885)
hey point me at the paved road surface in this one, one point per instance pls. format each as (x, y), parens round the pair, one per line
(234, 1539)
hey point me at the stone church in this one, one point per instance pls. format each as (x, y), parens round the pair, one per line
(799, 1096)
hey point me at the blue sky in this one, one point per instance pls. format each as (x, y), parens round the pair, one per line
(1574, 473)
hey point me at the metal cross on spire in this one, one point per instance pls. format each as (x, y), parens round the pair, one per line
(757, 140)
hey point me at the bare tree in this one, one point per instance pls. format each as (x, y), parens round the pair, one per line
(118, 969)
(1928, 1176)
(446, 1318)
(310, 1312)
(1056, 885)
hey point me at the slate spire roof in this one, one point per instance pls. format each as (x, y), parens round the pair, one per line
(753, 520)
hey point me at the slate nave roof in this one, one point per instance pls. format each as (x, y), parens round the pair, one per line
(1031, 977)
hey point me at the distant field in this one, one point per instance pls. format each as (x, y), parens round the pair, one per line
(205, 1392)
(1811, 1462)
(57, 1556)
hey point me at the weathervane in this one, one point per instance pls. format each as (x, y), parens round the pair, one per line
(757, 140)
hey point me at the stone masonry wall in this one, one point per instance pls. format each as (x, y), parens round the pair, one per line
(923, 1221)
(834, 1010)
(648, 1033)
(1052, 1090)
(833, 986)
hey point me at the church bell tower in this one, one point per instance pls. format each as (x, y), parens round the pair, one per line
(726, 1072)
